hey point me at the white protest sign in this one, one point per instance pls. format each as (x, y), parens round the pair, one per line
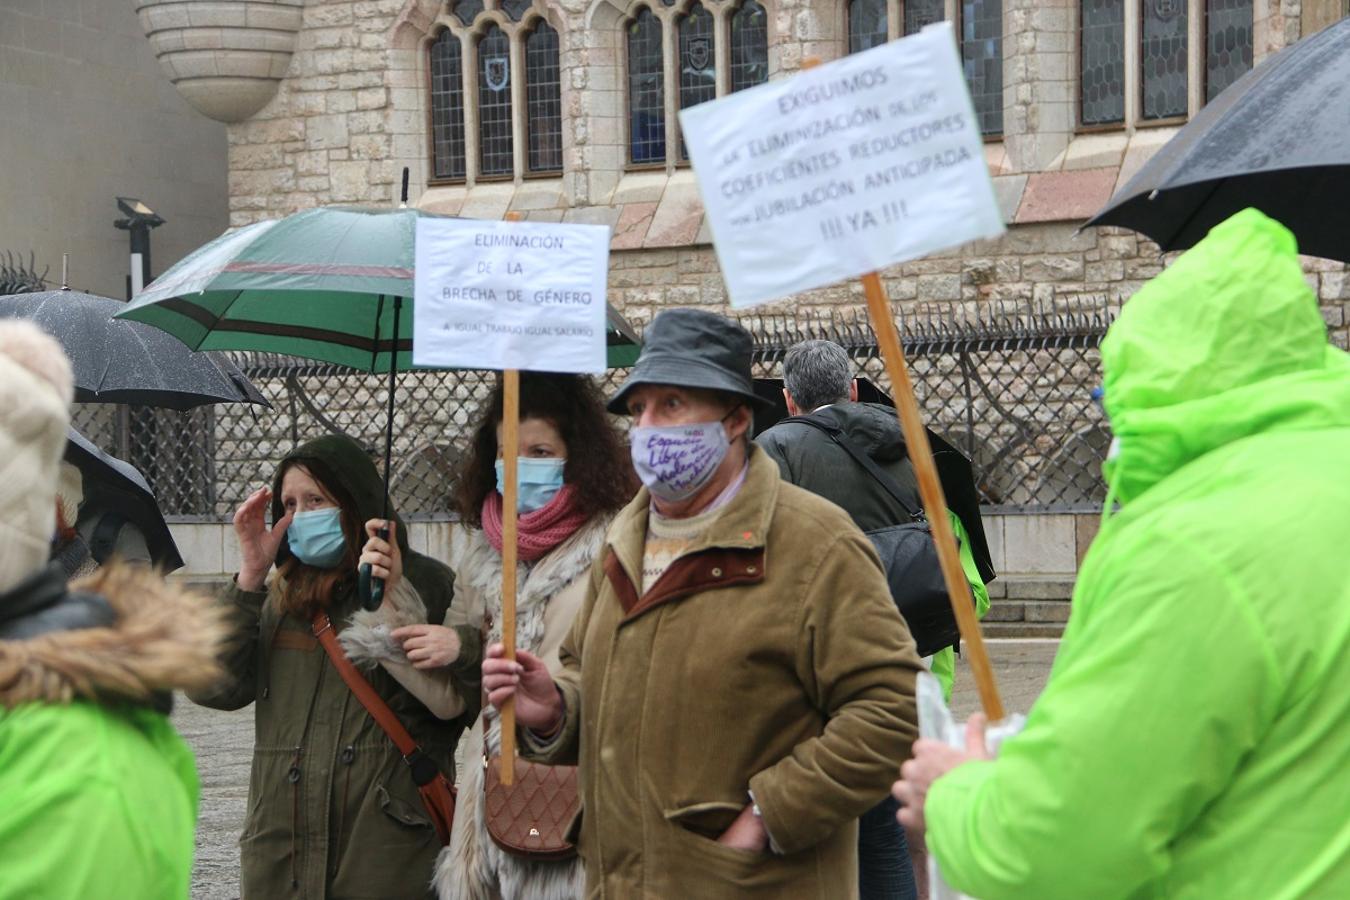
(843, 169)
(510, 295)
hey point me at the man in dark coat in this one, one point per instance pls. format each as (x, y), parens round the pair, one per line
(819, 383)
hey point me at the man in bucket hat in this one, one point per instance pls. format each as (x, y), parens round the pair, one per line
(738, 687)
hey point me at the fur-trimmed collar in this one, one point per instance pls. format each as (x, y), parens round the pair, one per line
(165, 638)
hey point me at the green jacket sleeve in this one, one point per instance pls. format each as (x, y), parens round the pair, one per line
(944, 661)
(1163, 682)
(238, 687)
(857, 663)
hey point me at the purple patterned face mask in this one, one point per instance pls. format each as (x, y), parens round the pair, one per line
(676, 461)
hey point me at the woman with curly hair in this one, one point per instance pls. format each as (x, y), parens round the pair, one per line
(574, 474)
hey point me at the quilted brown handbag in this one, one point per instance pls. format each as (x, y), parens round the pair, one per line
(531, 817)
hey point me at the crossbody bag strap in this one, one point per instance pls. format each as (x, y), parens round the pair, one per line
(423, 769)
(871, 468)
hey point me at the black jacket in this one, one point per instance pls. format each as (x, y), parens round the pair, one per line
(808, 458)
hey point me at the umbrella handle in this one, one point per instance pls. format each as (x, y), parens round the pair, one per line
(369, 588)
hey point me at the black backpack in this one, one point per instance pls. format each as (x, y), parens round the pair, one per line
(909, 556)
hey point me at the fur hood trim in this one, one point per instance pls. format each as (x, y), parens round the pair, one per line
(165, 638)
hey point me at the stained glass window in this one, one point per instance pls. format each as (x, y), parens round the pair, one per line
(543, 99)
(1102, 56)
(467, 10)
(516, 8)
(698, 61)
(447, 107)
(494, 103)
(982, 57)
(919, 13)
(1228, 43)
(866, 24)
(749, 46)
(646, 97)
(1163, 57)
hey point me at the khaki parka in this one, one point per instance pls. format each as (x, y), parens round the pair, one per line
(333, 811)
(770, 659)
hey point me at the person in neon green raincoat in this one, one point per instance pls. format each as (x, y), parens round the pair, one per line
(1193, 740)
(98, 793)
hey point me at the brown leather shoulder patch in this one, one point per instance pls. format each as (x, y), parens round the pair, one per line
(294, 639)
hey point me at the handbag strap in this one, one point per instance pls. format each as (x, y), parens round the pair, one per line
(423, 769)
(871, 468)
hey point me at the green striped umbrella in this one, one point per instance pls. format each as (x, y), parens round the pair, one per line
(325, 284)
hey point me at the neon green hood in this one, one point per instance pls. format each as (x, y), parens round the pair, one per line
(1225, 343)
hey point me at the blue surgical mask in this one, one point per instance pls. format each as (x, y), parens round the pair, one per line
(537, 481)
(316, 537)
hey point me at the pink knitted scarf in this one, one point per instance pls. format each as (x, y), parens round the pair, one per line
(537, 532)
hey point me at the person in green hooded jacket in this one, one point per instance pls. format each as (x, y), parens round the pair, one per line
(1192, 740)
(333, 810)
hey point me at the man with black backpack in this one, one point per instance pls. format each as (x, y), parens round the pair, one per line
(853, 454)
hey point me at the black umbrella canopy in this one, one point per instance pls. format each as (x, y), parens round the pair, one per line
(110, 483)
(1277, 139)
(117, 361)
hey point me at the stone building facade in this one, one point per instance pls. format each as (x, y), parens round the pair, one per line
(328, 100)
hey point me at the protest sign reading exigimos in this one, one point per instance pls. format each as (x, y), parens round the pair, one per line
(843, 169)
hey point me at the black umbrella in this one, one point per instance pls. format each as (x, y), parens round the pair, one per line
(954, 470)
(1277, 139)
(117, 361)
(111, 484)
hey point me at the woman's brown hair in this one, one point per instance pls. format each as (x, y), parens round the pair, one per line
(598, 464)
(309, 589)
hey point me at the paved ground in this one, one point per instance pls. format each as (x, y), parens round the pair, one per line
(223, 743)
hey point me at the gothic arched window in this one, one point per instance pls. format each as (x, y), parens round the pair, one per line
(447, 107)
(749, 46)
(646, 94)
(514, 70)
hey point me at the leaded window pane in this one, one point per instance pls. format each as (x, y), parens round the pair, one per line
(447, 107)
(919, 13)
(646, 97)
(698, 65)
(749, 46)
(1163, 57)
(1228, 43)
(982, 57)
(467, 10)
(1102, 54)
(516, 8)
(494, 103)
(543, 99)
(866, 24)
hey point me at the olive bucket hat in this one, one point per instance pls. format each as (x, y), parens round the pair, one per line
(691, 348)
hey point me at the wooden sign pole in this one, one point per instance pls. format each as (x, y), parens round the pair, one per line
(930, 490)
(510, 449)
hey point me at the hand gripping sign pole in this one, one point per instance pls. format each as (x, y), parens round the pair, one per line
(509, 449)
(930, 488)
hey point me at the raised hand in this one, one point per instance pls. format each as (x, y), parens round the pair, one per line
(258, 544)
(538, 703)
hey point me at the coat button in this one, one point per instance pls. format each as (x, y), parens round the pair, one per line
(348, 754)
(716, 573)
(750, 570)
(293, 775)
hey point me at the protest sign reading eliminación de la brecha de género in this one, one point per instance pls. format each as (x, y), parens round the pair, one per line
(843, 169)
(510, 295)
